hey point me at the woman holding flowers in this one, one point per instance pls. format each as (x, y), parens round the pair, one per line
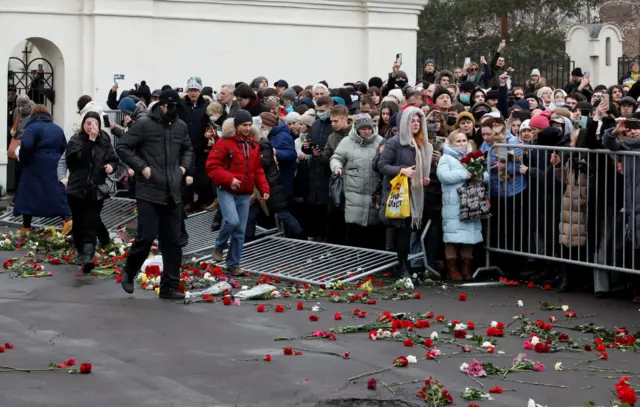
(455, 168)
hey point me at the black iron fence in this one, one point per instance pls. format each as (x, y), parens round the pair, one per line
(624, 64)
(34, 78)
(554, 67)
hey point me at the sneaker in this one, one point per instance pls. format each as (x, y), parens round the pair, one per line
(66, 227)
(217, 255)
(235, 271)
(213, 207)
(171, 294)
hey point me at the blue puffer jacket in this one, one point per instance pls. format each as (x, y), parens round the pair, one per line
(282, 141)
(452, 175)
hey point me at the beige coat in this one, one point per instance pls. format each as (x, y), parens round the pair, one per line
(573, 216)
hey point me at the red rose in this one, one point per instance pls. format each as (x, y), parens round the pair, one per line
(462, 297)
(85, 368)
(570, 314)
(288, 351)
(587, 348)
(371, 302)
(345, 355)
(500, 325)
(547, 287)
(267, 358)
(260, 308)
(428, 342)
(471, 326)
(563, 337)
(356, 311)
(531, 285)
(459, 334)
(313, 317)
(363, 314)
(207, 298)
(408, 342)
(430, 314)
(401, 361)
(604, 356)
(279, 308)
(9, 345)
(300, 306)
(416, 296)
(496, 390)
(465, 160)
(600, 348)
(372, 384)
(227, 301)
(627, 395)
(337, 316)
(1, 349)
(541, 348)
(440, 318)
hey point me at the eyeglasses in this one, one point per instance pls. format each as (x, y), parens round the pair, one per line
(472, 69)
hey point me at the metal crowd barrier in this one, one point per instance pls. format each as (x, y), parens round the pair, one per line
(578, 208)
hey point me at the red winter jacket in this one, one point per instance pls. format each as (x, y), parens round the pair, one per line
(234, 156)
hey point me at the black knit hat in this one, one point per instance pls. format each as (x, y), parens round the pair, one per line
(169, 96)
(467, 86)
(439, 92)
(242, 116)
(577, 72)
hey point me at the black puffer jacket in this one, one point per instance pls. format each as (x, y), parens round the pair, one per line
(319, 172)
(83, 155)
(195, 116)
(278, 198)
(162, 146)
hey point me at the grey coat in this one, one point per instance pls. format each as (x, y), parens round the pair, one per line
(394, 158)
(630, 165)
(353, 156)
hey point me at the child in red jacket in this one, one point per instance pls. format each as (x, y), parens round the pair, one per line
(234, 165)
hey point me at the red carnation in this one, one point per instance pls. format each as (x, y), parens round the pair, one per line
(604, 356)
(85, 368)
(547, 287)
(363, 314)
(471, 326)
(570, 314)
(416, 296)
(496, 390)
(462, 297)
(430, 314)
(260, 308)
(267, 358)
(337, 316)
(372, 384)
(9, 345)
(563, 337)
(440, 318)
(401, 361)
(371, 302)
(279, 308)
(408, 342)
(428, 342)
(587, 348)
(313, 317)
(356, 311)
(288, 351)
(500, 325)
(459, 334)
(300, 306)
(531, 285)
(542, 348)
(227, 301)
(600, 348)
(422, 323)
(345, 355)
(1, 349)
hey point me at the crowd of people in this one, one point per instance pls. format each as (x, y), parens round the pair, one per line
(325, 160)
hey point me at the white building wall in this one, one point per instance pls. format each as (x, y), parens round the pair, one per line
(222, 41)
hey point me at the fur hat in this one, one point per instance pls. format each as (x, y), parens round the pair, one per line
(268, 119)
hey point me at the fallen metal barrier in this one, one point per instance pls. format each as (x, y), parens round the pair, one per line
(115, 213)
(202, 239)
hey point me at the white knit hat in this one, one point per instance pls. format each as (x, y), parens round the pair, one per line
(535, 71)
(292, 117)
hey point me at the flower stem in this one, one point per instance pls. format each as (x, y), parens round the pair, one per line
(247, 360)
(318, 351)
(10, 369)
(403, 383)
(536, 383)
(476, 380)
(388, 387)
(369, 373)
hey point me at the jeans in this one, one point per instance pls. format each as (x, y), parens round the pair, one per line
(235, 211)
(163, 222)
(87, 224)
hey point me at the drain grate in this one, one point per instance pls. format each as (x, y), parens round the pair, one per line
(201, 238)
(116, 212)
(312, 262)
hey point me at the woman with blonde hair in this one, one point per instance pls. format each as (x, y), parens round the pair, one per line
(410, 154)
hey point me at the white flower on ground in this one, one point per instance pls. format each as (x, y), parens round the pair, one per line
(244, 287)
(494, 324)
(565, 308)
(187, 295)
(460, 327)
(315, 308)
(395, 334)
(535, 340)
(412, 359)
(488, 345)
(193, 259)
(520, 303)
(500, 352)
(463, 367)
(531, 403)
(558, 366)
(444, 286)
(434, 335)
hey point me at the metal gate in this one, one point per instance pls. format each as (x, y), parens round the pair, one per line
(115, 213)
(202, 239)
(34, 78)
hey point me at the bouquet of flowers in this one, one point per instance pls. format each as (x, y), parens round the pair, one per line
(474, 163)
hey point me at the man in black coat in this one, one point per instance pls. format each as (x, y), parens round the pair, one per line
(193, 111)
(158, 149)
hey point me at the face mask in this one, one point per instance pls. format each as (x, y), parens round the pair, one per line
(478, 115)
(172, 112)
(462, 149)
(401, 84)
(465, 99)
(289, 109)
(559, 104)
(214, 118)
(323, 116)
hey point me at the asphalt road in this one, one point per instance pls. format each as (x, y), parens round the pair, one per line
(149, 352)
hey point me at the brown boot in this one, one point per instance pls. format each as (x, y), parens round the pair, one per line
(466, 272)
(452, 268)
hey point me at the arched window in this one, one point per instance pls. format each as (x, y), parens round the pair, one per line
(607, 51)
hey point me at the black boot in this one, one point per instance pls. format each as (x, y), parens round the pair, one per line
(127, 281)
(87, 264)
(217, 221)
(80, 258)
(402, 270)
(563, 282)
(171, 294)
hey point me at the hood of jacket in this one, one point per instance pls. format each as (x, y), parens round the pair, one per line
(91, 107)
(280, 127)
(404, 128)
(568, 126)
(256, 82)
(40, 117)
(442, 73)
(397, 96)
(140, 111)
(353, 135)
(229, 130)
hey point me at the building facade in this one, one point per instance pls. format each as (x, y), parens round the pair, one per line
(75, 47)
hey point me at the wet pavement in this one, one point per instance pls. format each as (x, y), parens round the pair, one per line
(149, 352)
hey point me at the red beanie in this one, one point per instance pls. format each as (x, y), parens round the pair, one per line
(540, 121)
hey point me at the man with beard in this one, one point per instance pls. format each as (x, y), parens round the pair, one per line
(158, 149)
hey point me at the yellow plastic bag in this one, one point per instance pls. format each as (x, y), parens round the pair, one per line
(398, 205)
